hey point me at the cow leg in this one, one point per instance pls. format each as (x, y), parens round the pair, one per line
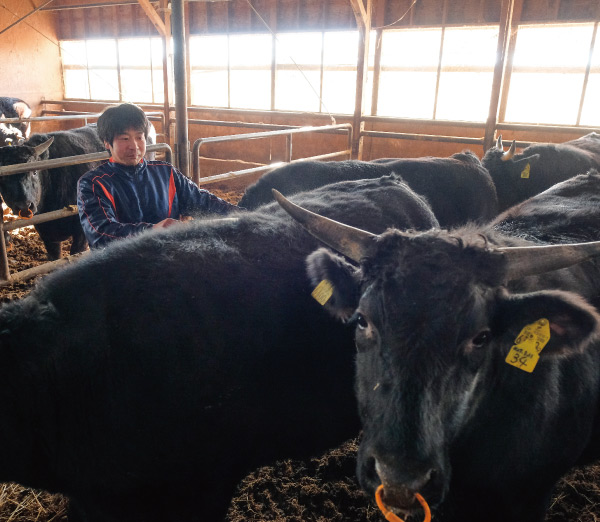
(53, 249)
(79, 243)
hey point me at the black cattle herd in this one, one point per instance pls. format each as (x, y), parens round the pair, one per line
(149, 378)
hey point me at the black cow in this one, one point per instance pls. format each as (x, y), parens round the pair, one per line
(521, 176)
(147, 379)
(43, 191)
(458, 188)
(12, 133)
(448, 328)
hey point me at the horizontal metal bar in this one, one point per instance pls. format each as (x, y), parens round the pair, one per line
(220, 123)
(7, 170)
(270, 134)
(41, 218)
(42, 269)
(241, 173)
(545, 128)
(420, 122)
(343, 127)
(65, 117)
(422, 137)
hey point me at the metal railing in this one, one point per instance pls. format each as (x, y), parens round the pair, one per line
(514, 127)
(59, 116)
(340, 128)
(8, 170)
(422, 137)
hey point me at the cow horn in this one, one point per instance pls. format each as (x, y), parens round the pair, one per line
(510, 153)
(526, 261)
(349, 241)
(43, 147)
(499, 143)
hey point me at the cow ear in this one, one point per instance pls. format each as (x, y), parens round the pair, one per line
(572, 322)
(335, 282)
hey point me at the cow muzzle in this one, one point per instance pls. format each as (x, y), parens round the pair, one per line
(400, 485)
(24, 211)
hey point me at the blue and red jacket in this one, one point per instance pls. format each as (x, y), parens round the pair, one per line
(117, 201)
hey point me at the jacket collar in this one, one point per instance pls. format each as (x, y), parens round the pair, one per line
(130, 170)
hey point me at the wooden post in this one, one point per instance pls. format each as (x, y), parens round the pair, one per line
(510, 54)
(166, 45)
(154, 16)
(506, 16)
(182, 144)
(363, 20)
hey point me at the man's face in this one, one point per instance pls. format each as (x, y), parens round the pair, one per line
(128, 148)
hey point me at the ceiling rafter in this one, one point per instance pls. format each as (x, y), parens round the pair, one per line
(360, 13)
(154, 16)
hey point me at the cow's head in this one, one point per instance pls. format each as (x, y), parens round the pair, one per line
(511, 172)
(434, 321)
(22, 192)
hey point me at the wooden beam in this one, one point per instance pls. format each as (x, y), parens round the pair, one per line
(360, 13)
(166, 46)
(509, 14)
(364, 29)
(154, 17)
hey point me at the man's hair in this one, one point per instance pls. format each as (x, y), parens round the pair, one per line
(118, 119)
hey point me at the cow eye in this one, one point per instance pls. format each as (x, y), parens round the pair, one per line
(481, 339)
(360, 321)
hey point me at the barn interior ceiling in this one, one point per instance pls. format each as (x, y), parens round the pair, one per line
(90, 18)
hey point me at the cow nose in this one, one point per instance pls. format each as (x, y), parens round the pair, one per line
(402, 481)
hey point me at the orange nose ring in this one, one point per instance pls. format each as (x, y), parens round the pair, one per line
(28, 216)
(391, 517)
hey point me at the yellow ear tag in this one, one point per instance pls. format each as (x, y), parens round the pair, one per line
(322, 292)
(525, 353)
(525, 171)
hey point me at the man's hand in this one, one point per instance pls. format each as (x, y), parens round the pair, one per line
(166, 223)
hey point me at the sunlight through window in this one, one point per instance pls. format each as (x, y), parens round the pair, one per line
(548, 74)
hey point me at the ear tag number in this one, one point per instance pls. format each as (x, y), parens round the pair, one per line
(322, 292)
(525, 353)
(525, 171)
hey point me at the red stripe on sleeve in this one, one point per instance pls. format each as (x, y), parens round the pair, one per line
(172, 192)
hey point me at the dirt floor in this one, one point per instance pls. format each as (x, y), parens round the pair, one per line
(319, 490)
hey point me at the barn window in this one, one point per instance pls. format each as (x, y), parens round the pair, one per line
(250, 70)
(298, 80)
(437, 73)
(75, 73)
(231, 71)
(236, 71)
(113, 70)
(548, 76)
(209, 79)
(340, 52)
(409, 61)
(590, 114)
(466, 73)
(140, 61)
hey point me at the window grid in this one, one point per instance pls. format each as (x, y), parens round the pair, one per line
(453, 83)
(79, 55)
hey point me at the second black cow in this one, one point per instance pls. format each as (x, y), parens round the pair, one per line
(458, 188)
(521, 176)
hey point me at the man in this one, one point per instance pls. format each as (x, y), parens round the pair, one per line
(127, 194)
